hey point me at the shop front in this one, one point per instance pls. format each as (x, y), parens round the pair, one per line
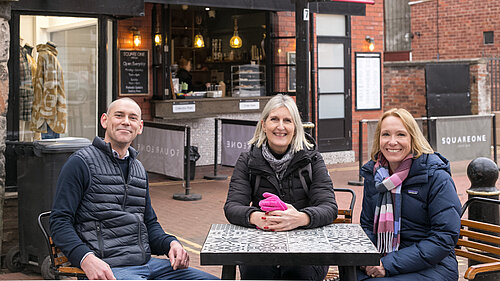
(60, 81)
(219, 59)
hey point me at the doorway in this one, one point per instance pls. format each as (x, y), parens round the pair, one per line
(334, 83)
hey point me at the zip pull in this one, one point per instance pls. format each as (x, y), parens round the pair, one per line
(281, 190)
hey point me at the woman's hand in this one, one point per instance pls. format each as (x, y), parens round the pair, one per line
(375, 271)
(258, 219)
(285, 220)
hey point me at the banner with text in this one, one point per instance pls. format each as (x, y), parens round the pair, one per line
(464, 138)
(235, 137)
(161, 151)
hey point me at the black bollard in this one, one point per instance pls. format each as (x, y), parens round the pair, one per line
(483, 174)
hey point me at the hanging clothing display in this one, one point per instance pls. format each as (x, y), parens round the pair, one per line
(31, 59)
(50, 103)
(26, 86)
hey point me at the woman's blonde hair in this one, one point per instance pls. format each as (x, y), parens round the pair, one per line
(419, 144)
(299, 137)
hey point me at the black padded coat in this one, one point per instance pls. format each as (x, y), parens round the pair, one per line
(319, 202)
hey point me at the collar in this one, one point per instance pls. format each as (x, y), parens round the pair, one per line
(106, 148)
(117, 155)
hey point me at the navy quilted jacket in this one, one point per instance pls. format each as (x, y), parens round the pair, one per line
(101, 209)
(430, 219)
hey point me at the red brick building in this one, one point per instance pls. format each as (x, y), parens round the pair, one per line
(455, 29)
(440, 32)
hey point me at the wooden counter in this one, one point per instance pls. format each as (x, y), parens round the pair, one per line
(206, 107)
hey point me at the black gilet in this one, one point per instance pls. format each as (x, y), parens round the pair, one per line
(110, 218)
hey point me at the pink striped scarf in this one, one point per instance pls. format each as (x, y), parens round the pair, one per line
(387, 221)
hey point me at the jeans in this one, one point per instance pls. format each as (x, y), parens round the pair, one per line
(159, 269)
(273, 272)
(50, 134)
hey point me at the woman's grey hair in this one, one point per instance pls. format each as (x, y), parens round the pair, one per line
(299, 137)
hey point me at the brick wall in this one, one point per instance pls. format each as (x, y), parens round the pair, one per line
(460, 24)
(372, 24)
(143, 24)
(404, 87)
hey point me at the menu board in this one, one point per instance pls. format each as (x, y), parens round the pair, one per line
(134, 72)
(368, 89)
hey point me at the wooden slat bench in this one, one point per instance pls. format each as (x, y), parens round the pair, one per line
(475, 242)
(59, 263)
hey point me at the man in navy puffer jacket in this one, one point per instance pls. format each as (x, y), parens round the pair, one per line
(102, 218)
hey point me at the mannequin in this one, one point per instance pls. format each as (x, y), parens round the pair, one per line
(25, 91)
(50, 105)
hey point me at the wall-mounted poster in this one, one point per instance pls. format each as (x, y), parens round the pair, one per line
(134, 72)
(368, 89)
(291, 71)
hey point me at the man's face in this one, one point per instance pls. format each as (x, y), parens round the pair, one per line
(122, 123)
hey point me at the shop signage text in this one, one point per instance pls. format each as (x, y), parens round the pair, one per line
(134, 72)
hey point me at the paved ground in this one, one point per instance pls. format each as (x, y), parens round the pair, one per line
(191, 220)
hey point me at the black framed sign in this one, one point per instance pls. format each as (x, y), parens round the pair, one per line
(291, 71)
(134, 72)
(368, 81)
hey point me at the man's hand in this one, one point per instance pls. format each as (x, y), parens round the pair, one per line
(375, 271)
(96, 269)
(179, 258)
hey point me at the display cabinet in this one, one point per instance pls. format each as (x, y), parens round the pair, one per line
(248, 80)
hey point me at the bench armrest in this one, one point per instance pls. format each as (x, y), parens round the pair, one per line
(479, 268)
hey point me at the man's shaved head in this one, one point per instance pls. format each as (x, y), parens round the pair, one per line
(111, 105)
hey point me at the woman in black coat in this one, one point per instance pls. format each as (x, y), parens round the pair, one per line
(280, 150)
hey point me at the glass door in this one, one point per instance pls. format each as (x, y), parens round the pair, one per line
(334, 102)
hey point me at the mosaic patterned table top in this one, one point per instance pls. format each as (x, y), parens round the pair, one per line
(334, 238)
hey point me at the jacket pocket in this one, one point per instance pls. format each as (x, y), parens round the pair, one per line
(140, 231)
(100, 241)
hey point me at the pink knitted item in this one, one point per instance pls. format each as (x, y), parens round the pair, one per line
(272, 203)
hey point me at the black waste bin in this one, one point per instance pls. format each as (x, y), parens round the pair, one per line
(38, 167)
(194, 155)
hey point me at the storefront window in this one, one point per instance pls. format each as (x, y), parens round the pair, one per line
(58, 73)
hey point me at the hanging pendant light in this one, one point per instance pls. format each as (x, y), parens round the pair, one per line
(198, 41)
(235, 41)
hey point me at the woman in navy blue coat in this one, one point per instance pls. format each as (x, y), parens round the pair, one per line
(411, 210)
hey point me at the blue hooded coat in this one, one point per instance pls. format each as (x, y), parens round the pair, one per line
(430, 221)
